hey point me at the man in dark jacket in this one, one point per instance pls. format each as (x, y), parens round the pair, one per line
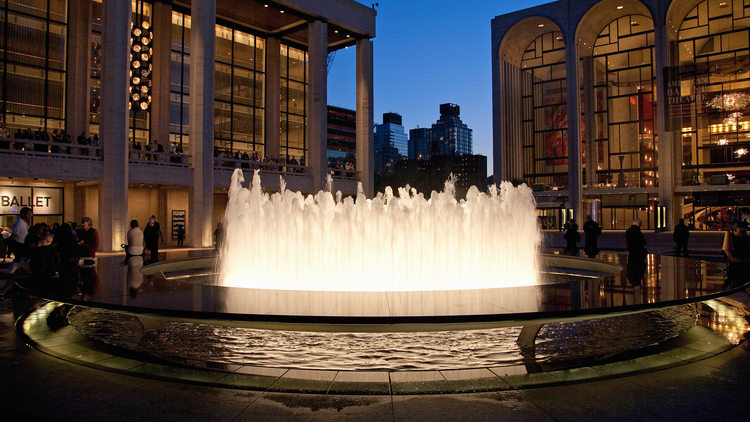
(593, 231)
(636, 268)
(680, 237)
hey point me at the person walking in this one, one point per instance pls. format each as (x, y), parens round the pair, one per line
(151, 235)
(637, 253)
(180, 235)
(680, 237)
(592, 231)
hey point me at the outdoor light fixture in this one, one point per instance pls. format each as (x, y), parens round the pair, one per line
(141, 52)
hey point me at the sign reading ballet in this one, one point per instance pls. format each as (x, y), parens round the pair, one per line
(43, 201)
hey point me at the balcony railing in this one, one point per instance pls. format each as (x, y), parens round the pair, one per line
(159, 158)
(29, 147)
(343, 174)
(228, 163)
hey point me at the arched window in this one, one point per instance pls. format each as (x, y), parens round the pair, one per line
(545, 140)
(712, 58)
(625, 103)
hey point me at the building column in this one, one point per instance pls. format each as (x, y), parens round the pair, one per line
(78, 82)
(573, 100)
(202, 65)
(508, 134)
(589, 106)
(161, 26)
(670, 150)
(365, 117)
(273, 97)
(113, 191)
(317, 103)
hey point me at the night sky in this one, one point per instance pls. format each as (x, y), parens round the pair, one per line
(429, 52)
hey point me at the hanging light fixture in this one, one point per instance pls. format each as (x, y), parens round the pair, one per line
(141, 53)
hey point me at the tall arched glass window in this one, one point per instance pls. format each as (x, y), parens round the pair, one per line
(713, 60)
(625, 103)
(545, 139)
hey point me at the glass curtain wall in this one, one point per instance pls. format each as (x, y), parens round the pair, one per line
(545, 139)
(625, 102)
(713, 51)
(33, 41)
(179, 81)
(239, 116)
(293, 102)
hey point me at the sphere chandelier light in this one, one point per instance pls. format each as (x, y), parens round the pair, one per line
(141, 52)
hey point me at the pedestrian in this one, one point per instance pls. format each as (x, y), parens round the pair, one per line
(151, 236)
(680, 237)
(219, 236)
(135, 240)
(637, 253)
(88, 238)
(592, 231)
(572, 237)
(180, 234)
(18, 235)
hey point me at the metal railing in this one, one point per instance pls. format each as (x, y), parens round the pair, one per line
(32, 147)
(228, 163)
(138, 156)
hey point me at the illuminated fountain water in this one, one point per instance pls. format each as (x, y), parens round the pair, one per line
(404, 242)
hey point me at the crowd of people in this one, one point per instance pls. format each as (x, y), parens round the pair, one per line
(48, 253)
(58, 141)
(155, 146)
(252, 160)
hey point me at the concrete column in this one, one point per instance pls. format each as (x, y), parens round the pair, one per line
(589, 105)
(497, 120)
(202, 64)
(573, 99)
(78, 83)
(365, 118)
(113, 191)
(508, 144)
(273, 97)
(670, 150)
(317, 102)
(162, 30)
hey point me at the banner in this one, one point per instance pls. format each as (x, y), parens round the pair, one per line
(42, 200)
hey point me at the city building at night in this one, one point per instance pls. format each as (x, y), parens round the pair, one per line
(390, 143)
(657, 127)
(147, 107)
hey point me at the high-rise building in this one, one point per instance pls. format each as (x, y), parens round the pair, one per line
(342, 136)
(390, 143)
(450, 136)
(420, 143)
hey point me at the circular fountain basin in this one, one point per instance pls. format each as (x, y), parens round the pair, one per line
(576, 315)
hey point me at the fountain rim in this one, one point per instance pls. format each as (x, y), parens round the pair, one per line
(377, 323)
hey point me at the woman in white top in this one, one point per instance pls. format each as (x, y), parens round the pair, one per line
(135, 239)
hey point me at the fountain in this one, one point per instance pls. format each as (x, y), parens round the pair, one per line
(287, 241)
(391, 283)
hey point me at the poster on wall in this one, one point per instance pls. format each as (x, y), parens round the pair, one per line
(42, 201)
(178, 220)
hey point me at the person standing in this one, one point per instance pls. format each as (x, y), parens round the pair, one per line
(637, 253)
(572, 237)
(151, 236)
(592, 230)
(88, 238)
(680, 237)
(180, 235)
(18, 234)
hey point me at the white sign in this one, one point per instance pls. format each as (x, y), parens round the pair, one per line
(42, 201)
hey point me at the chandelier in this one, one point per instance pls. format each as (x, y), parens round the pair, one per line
(734, 102)
(141, 52)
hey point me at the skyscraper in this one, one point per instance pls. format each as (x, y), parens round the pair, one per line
(451, 136)
(390, 143)
(420, 143)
